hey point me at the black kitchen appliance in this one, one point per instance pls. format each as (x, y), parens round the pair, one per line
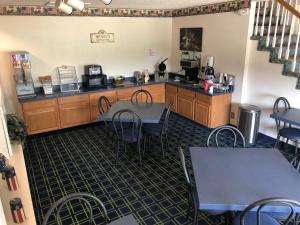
(162, 68)
(93, 77)
(191, 74)
(92, 70)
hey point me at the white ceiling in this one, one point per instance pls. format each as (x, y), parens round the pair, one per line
(133, 4)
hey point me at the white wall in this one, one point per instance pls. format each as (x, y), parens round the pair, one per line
(224, 37)
(56, 41)
(265, 84)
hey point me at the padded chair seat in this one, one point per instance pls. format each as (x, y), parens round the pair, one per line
(152, 129)
(128, 136)
(126, 220)
(251, 217)
(291, 133)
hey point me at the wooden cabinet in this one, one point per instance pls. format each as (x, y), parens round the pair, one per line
(171, 96)
(74, 110)
(157, 91)
(185, 103)
(212, 111)
(111, 95)
(52, 114)
(125, 94)
(41, 116)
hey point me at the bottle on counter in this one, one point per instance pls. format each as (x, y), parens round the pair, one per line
(146, 76)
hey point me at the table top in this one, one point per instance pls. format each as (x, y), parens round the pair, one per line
(291, 116)
(231, 179)
(149, 113)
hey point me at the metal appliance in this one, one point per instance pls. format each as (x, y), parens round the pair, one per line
(95, 81)
(162, 68)
(22, 74)
(191, 68)
(92, 70)
(209, 69)
(93, 77)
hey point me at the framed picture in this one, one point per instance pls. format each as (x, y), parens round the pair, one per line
(191, 39)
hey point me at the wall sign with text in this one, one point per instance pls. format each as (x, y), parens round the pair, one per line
(102, 37)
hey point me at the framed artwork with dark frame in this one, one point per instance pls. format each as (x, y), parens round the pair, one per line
(191, 39)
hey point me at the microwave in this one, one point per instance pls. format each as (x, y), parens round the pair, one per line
(189, 63)
(95, 81)
(93, 70)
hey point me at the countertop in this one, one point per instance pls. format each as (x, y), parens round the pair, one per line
(57, 94)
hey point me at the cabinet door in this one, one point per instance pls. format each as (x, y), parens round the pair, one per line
(41, 116)
(125, 94)
(157, 92)
(111, 95)
(74, 110)
(171, 97)
(185, 106)
(185, 103)
(202, 113)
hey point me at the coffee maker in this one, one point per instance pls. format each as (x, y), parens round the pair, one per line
(209, 69)
(191, 68)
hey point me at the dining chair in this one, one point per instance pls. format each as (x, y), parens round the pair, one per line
(216, 133)
(192, 196)
(284, 129)
(103, 104)
(295, 161)
(140, 94)
(159, 130)
(255, 213)
(128, 129)
(89, 201)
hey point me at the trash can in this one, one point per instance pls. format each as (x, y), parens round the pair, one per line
(249, 122)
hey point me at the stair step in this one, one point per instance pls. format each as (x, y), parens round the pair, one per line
(272, 31)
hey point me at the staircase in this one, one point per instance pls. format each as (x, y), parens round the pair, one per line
(277, 29)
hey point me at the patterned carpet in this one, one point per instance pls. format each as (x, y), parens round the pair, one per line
(82, 159)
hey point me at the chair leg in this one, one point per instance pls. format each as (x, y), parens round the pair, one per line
(139, 151)
(296, 147)
(144, 148)
(167, 140)
(195, 218)
(162, 145)
(118, 150)
(277, 140)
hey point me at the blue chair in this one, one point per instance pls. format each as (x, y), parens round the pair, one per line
(284, 129)
(159, 130)
(139, 95)
(192, 195)
(128, 129)
(87, 199)
(222, 129)
(255, 214)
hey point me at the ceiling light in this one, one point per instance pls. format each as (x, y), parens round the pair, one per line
(106, 2)
(76, 4)
(63, 7)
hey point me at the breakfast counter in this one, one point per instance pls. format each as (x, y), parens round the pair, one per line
(110, 87)
(44, 113)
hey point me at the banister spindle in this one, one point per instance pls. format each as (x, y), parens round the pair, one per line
(282, 36)
(270, 23)
(262, 28)
(287, 53)
(257, 19)
(276, 25)
(296, 51)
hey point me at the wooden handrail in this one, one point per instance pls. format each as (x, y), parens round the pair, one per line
(289, 8)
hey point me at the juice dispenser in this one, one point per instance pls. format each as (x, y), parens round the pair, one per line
(22, 74)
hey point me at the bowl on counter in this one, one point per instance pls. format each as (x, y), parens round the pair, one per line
(119, 80)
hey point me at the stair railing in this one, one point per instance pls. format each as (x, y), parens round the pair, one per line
(284, 20)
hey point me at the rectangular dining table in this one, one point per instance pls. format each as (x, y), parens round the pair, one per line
(148, 112)
(291, 116)
(229, 179)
